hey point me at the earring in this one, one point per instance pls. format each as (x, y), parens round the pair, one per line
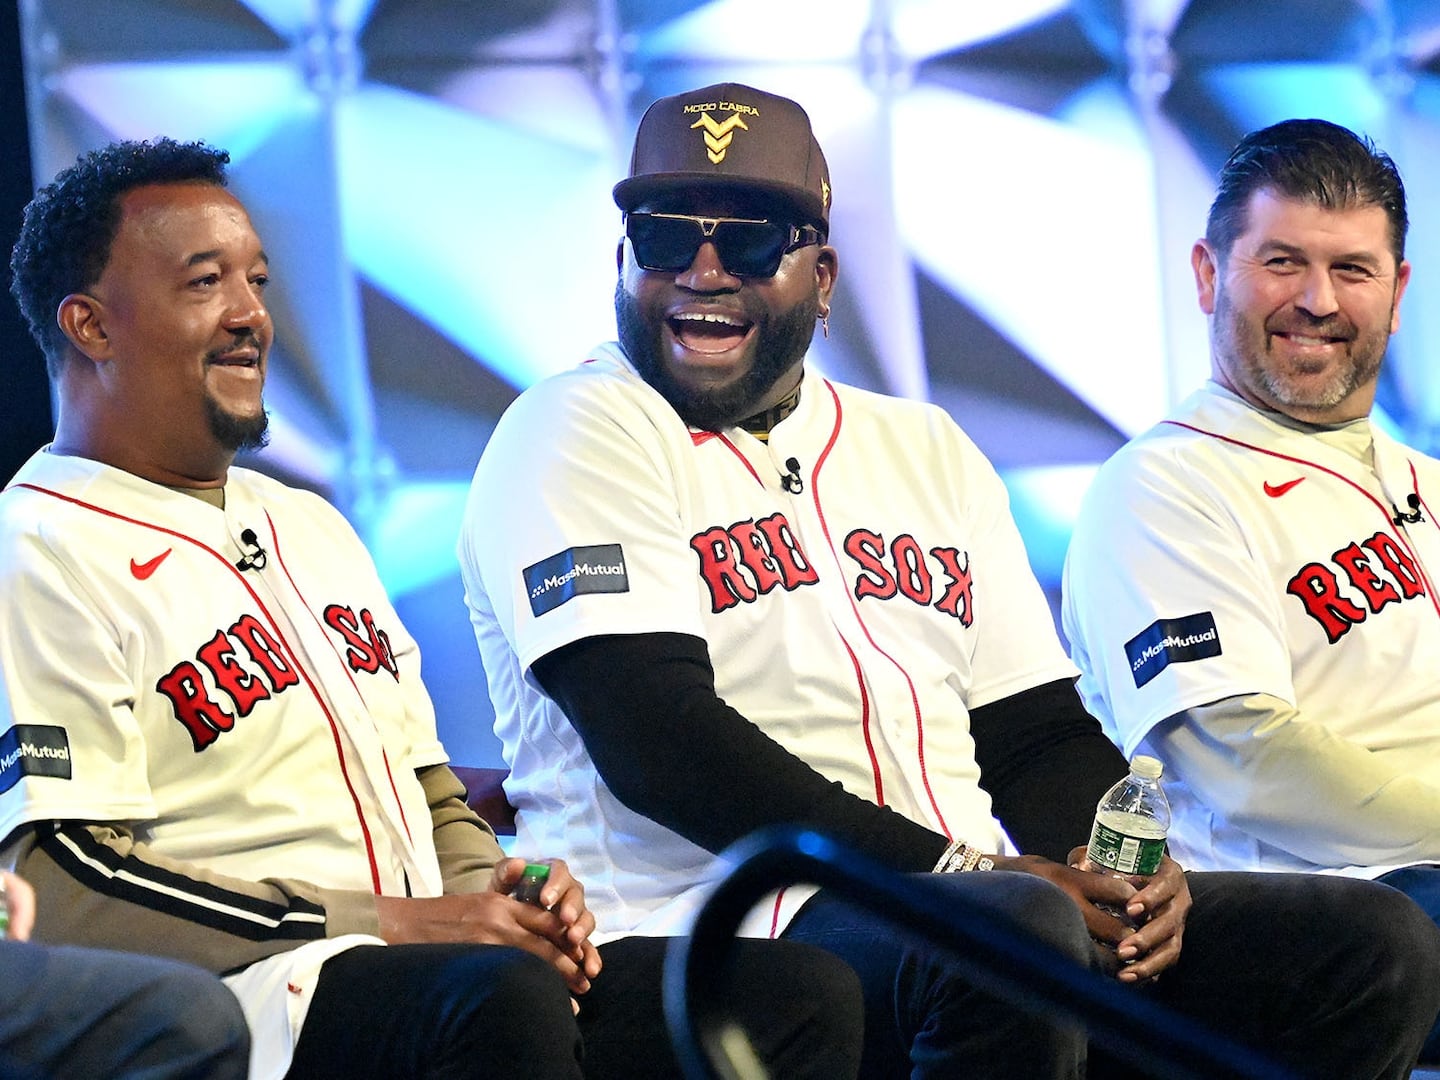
(824, 318)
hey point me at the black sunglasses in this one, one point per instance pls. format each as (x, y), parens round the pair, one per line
(748, 247)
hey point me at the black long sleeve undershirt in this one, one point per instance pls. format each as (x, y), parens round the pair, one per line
(670, 748)
(1045, 762)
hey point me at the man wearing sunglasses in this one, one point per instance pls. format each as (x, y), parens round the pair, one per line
(715, 591)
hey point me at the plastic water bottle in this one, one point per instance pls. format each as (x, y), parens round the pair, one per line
(1131, 821)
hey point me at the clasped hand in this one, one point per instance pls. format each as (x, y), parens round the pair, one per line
(1148, 940)
(558, 930)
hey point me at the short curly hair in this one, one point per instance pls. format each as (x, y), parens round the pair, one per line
(65, 239)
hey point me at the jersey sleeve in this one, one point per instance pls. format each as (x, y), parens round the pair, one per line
(465, 845)
(1016, 644)
(68, 735)
(1164, 603)
(599, 548)
(1309, 792)
(96, 885)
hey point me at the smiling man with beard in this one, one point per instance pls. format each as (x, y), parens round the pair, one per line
(1251, 587)
(720, 354)
(715, 590)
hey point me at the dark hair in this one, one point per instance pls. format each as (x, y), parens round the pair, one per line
(1312, 161)
(65, 239)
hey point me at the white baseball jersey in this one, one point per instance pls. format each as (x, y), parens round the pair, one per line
(256, 723)
(855, 622)
(1227, 552)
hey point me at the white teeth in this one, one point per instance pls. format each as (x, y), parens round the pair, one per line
(695, 316)
(1300, 340)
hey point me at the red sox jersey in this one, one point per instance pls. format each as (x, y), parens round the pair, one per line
(855, 621)
(259, 721)
(1228, 552)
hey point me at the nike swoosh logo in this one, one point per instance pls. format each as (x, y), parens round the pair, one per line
(143, 570)
(1276, 490)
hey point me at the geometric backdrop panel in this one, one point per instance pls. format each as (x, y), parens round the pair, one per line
(1017, 187)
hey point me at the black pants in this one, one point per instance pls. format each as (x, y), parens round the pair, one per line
(451, 1011)
(1334, 977)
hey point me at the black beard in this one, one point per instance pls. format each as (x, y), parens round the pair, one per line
(238, 433)
(781, 344)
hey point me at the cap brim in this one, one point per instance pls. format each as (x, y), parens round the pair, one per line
(635, 191)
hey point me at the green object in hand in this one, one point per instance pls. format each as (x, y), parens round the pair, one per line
(531, 882)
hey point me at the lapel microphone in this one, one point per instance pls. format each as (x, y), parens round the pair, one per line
(255, 558)
(1411, 517)
(791, 481)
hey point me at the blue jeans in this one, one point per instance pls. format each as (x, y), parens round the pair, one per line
(91, 1014)
(922, 1018)
(1422, 884)
(1332, 976)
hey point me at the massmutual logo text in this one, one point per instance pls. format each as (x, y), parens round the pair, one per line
(33, 750)
(1171, 641)
(554, 582)
(577, 571)
(30, 750)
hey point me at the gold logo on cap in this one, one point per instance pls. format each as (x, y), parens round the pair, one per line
(825, 193)
(718, 136)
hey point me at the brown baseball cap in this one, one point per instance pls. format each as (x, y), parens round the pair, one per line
(728, 135)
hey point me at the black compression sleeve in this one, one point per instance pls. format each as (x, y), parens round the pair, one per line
(669, 748)
(1045, 762)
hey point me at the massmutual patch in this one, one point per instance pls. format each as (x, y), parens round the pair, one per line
(33, 750)
(599, 568)
(1171, 641)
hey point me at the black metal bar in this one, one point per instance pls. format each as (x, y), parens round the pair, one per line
(993, 952)
(25, 421)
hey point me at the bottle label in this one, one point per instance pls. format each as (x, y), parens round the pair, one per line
(1124, 853)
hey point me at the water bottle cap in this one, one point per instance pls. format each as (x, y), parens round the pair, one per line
(1148, 767)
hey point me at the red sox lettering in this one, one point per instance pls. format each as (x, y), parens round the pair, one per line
(1318, 586)
(369, 653)
(197, 709)
(907, 572)
(750, 558)
(205, 714)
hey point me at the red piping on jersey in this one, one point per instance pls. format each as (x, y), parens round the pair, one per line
(1415, 487)
(699, 437)
(389, 776)
(914, 697)
(279, 636)
(865, 720)
(775, 914)
(1398, 536)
